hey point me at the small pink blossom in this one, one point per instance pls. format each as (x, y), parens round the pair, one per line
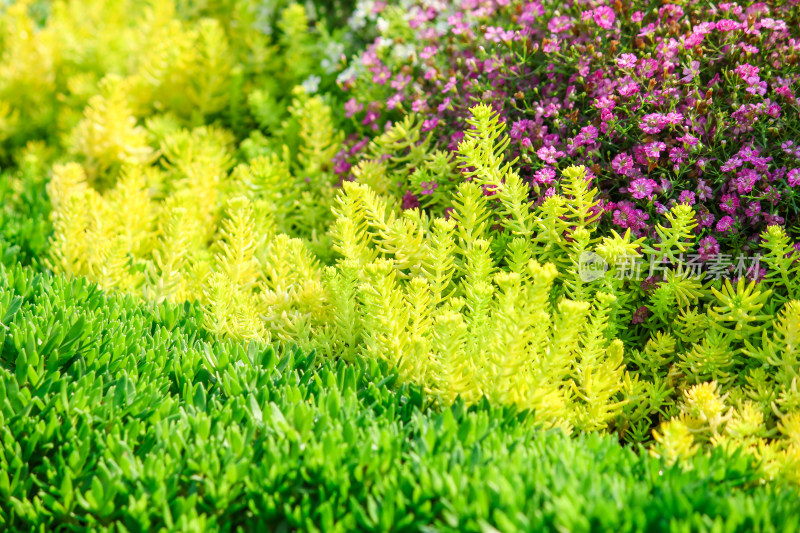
(351, 107)
(410, 200)
(628, 89)
(604, 17)
(729, 203)
(725, 224)
(708, 248)
(753, 209)
(428, 187)
(622, 163)
(430, 124)
(640, 315)
(652, 123)
(549, 154)
(626, 61)
(793, 177)
(559, 24)
(745, 181)
(689, 140)
(687, 197)
(642, 188)
(400, 82)
(545, 175)
(726, 25)
(704, 192)
(653, 150)
(691, 72)
(428, 52)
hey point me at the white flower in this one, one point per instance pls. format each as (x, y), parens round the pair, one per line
(382, 24)
(311, 84)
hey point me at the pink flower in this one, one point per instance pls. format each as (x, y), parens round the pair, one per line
(410, 200)
(753, 209)
(677, 155)
(559, 24)
(793, 177)
(652, 123)
(394, 100)
(690, 72)
(371, 116)
(730, 164)
(687, 139)
(724, 225)
(648, 30)
(704, 192)
(628, 89)
(428, 52)
(626, 61)
(589, 134)
(604, 17)
(549, 154)
(773, 220)
(748, 73)
(450, 85)
(622, 163)
(687, 197)
(729, 203)
(708, 249)
(400, 81)
(653, 150)
(673, 118)
(545, 175)
(640, 315)
(341, 166)
(430, 124)
(728, 25)
(382, 75)
(746, 180)
(604, 103)
(428, 187)
(497, 35)
(705, 219)
(351, 107)
(642, 188)
(520, 128)
(624, 216)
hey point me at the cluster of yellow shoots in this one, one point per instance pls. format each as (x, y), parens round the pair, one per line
(428, 295)
(85, 72)
(192, 229)
(705, 418)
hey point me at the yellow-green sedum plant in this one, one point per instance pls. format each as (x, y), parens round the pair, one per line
(85, 75)
(192, 228)
(429, 298)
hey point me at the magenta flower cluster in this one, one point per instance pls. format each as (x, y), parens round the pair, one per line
(690, 102)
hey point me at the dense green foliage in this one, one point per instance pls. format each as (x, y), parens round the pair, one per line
(25, 226)
(120, 416)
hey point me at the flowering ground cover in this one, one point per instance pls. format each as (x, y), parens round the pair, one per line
(481, 265)
(685, 102)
